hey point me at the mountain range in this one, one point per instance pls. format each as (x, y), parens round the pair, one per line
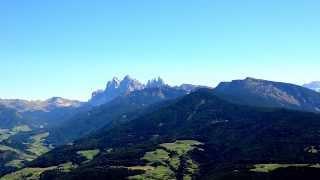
(264, 93)
(47, 105)
(130, 130)
(55, 110)
(229, 137)
(62, 120)
(116, 88)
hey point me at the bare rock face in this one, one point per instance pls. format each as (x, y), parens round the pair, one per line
(156, 83)
(115, 88)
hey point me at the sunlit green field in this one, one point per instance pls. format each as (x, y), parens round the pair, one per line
(265, 168)
(26, 174)
(89, 154)
(35, 145)
(34, 173)
(164, 162)
(6, 133)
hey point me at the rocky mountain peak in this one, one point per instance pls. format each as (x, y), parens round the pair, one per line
(127, 78)
(156, 83)
(113, 84)
(115, 88)
(129, 84)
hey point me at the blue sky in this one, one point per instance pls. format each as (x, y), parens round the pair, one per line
(71, 48)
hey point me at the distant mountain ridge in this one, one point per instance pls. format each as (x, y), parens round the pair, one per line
(40, 114)
(47, 105)
(315, 85)
(56, 110)
(116, 88)
(256, 92)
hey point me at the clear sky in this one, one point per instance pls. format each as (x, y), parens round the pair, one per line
(70, 48)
